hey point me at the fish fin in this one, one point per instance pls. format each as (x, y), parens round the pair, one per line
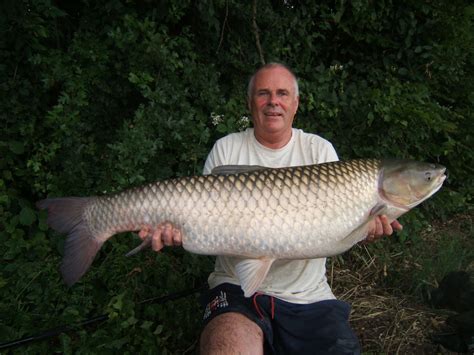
(356, 235)
(236, 169)
(146, 242)
(251, 273)
(360, 232)
(378, 209)
(66, 215)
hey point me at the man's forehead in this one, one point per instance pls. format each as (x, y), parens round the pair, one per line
(275, 78)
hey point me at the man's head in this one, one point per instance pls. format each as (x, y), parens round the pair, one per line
(269, 66)
(273, 99)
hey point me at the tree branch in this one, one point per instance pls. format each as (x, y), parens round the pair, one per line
(255, 32)
(223, 26)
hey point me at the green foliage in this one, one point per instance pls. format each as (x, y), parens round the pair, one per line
(96, 97)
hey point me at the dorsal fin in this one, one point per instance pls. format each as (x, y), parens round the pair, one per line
(236, 169)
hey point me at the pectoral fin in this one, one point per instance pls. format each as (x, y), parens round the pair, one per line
(360, 232)
(378, 209)
(356, 235)
(251, 273)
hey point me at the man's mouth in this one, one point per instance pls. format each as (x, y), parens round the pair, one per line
(272, 114)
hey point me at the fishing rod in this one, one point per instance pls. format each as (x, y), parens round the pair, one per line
(70, 327)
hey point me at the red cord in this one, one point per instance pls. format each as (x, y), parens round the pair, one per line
(257, 307)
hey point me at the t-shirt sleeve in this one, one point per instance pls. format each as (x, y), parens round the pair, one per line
(322, 150)
(210, 162)
(329, 153)
(216, 157)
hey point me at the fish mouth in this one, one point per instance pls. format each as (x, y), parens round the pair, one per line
(442, 177)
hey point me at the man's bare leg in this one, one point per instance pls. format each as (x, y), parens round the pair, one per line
(231, 333)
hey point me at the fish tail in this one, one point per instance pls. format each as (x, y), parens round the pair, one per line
(66, 215)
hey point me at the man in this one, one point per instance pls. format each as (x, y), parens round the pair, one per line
(294, 311)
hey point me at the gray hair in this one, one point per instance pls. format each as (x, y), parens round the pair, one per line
(269, 66)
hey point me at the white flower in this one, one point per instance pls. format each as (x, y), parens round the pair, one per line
(216, 119)
(243, 122)
(336, 67)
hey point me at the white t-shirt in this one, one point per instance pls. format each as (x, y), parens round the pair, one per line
(296, 281)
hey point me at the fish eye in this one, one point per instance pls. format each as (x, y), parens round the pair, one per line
(428, 176)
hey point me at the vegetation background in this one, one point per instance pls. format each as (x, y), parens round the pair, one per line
(96, 97)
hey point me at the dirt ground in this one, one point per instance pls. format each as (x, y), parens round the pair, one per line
(386, 321)
(389, 320)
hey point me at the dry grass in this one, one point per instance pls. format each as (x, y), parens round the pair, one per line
(388, 320)
(385, 320)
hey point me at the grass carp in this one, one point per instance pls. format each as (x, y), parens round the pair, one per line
(254, 213)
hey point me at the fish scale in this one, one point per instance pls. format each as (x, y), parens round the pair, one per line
(253, 213)
(231, 204)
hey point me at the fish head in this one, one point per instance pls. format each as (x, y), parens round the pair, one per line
(407, 183)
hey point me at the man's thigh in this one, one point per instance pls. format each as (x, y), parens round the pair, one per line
(230, 322)
(231, 333)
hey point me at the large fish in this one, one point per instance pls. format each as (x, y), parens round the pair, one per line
(254, 213)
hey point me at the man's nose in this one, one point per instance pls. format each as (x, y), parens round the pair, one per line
(273, 99)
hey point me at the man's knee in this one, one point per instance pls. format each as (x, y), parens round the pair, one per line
(231, 333)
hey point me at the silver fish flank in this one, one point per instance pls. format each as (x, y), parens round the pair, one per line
(254, 213)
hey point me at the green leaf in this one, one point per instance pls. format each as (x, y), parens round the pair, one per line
(17, 147)
(158, 330)
(3, 282)
(7, 174)
(27, 216)
(145, 325)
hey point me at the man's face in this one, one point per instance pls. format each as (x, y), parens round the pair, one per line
(273, 102)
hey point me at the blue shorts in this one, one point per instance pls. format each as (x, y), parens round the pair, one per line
(316, 328)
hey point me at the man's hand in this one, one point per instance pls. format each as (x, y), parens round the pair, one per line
(164, 234)
(380, 227)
